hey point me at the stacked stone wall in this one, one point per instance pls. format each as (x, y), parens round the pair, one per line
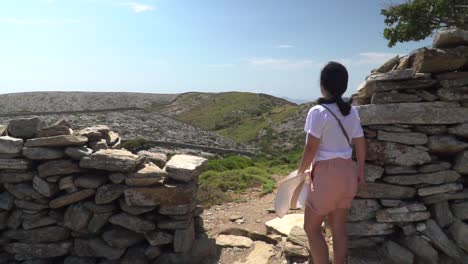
(414, 111)
(76, 197)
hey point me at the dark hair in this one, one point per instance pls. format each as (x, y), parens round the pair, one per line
(334, 79)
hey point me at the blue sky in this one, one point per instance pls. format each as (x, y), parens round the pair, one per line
(173, 46)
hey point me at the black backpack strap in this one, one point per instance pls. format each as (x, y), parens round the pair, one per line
(341, 125)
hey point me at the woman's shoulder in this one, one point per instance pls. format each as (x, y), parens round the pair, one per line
(317, 109)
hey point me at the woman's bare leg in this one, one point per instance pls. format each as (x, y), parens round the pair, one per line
(313, 229)
(337, 223)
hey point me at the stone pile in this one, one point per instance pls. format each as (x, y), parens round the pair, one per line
(414, 111)
(75, 197)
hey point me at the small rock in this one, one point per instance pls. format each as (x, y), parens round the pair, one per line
(42, 153)
(25, 251)
(233, 241)
(446, 144)
(24, 127)
(71, 198)
(111, 160)
(235, 217)
(43, 187)
(444, 188)
(185, 167)
(108, 193)
(77, 153)
(160, 159)
(131, 222)
(92, 181)
(121, 238)
(397, 253)
(157, 238)
(56, 141)
(57, 167)
(77, 217)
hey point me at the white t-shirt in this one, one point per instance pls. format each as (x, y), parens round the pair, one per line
(320, 123)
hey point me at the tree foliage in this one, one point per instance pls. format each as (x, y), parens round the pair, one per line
(418, 19)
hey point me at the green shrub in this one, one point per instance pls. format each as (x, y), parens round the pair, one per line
(136, 144)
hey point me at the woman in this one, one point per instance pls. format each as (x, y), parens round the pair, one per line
(332, 127)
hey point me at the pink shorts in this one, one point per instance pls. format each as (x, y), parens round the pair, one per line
(334, 185)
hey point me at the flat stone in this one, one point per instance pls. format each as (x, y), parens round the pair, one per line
(459, 232)
(439, 60)
(460, 210)
(284, 225)
(54, 130)
(391, 202)
(98, 221)
(363, 209)
(96, 247)
(161, 195)
(158, 238)
(413, 113)
(365, 242)
(77, 217)
(58, 167)
(257, 236)
(450, 38)
(459, 130)
(441, 241)
(410, 138)
(28, 205)
(152, 252)
(42, 153)
(112, 138)
(150, 173)
(111, 160)
(39, 235)
(24, 127)
(183, 239)
(373, 172)
(293, 251)
(174, 224)
(461, 163)
(100, 208)
(71, 198)
(390, 128)
(181, 209)
(393, 75)
(6, 201)
(108, 193)
(386, 191)
(438, 177)
(37, 221)
(14, 164)
(446, 144)
(121, 238)
(397, 253)
(94, 133)
(135, 210)
(10, 145)
(444, 188)
(442, 214)
(453, 94)
(79, 260)
(396, 154)
(98, 145)
(405, 213)
(90, 181)
(422, 249)
(391, 170)
(160, 159)
(431, 199)
(77, 153)
(388, 65)
(16, 176)
(67, 183)
(261, 254)
(368, 88)
(369, 228)
(391, 97)
(408, 228)
(233, 241)
(135, 255)
(43, 187)
(116, 177)
(455, 83)
(23, 191)
(56, 141)
(132, 222)
(185, 167)
(298, 236)
(25, 251)
(434, 167)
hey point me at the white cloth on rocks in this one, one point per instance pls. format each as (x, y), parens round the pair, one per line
(286, 191)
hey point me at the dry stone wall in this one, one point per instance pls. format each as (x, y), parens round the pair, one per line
(415, 115)
(76, 197)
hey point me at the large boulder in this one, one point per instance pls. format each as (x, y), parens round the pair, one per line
(450, 38)
(440, 60)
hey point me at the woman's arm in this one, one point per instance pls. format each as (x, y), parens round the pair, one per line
(308, 155)
(360, 144)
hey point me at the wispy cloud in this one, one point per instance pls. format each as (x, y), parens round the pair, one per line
(138, 7)
(40, 21)
(284, 46)
(281, 63)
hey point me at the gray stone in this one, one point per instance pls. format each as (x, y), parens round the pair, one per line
(368, 88)
(422, 250)
(98, 145)
(446, 144)
(364, 242)
(90, 181)
(450, 38)
(56, 141)
(434, 167)
(77, 217)
(431, 199)
(3, 219)
(442, 214)
(390, 169)
(39, 235)
(33, 206)
(298, 236)
(94, 133)
(185, 167)
(438, 177)
(161, 195)
(135, 210)
(10, 145)
(116, 177)
(16, 176)
(42, 153)
(405, 213)
(386, 191)
(112, 139)
(181, 209)
(99, 208)
(233, 241)
(77, 153)
(441, 241)
(452, 75)
(408, 228)
(58, 167)
(439, 60)
(390, 202)
(67, 183)
(148, 175)
(121, 238)
(397, 253)
(153, 252)
(25, 251)
(24, 127)
(71, 198)
(54, 130)
(373, 172)
(98, 221)
(108, 193)
(459, 130)
(111, 160)
(174, 224)
(390, 128)
(158, 238)
(6, 201)
(413, 113)
(37, 221)
(461, 163)
(388, 65)
(160, 159)
(396, 154)
(15, 219)
(14, 164)
(43, 187)
(444, 188)
(410, 138)
(96, 247)
(183, 239)
(391, 97)
(460, 210)
(459, 232)
(363, 209)
(393, 75)
(23, 191)
(426, 96)
(453, 94)
(135, 255)
(431, 129)
(369, 228)
(132, 222)
(79, 260)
